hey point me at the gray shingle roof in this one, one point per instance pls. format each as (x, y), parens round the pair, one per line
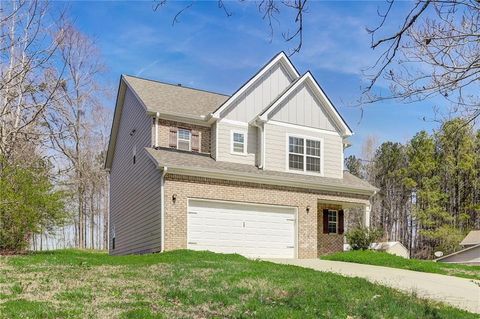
(174, 99)
(186, 160)
(473, 238)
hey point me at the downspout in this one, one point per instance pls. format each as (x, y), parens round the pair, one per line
(162, 208)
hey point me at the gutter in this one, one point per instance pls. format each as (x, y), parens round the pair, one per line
(164, 170)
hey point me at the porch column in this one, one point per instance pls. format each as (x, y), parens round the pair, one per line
(367, 215)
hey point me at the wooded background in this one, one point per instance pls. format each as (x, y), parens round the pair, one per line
(429, 194)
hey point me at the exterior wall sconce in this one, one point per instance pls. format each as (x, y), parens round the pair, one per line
(174, 198)
(308, 208)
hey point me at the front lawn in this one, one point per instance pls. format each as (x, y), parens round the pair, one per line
(187, 284)
(371, 257)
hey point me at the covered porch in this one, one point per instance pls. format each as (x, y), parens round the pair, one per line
(332, 222)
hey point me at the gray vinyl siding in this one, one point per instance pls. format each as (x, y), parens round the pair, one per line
(276, 149)
(303, 108)
(134, 188)
(259, 95)
(225, 142)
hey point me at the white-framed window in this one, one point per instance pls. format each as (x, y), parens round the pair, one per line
(184, 139)
(332, 221)
(238, 142)
(304, 154)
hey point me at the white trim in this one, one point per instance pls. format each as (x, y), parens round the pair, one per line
(162, 209)
(197, 120)
(233, 122)
(245, 138)
(156, 129)
(189, 140)
(262, 145)
(305, 137)
(367, 215)
(308, 78)
(336, 222)
(281, 57)
(305, 128)
(216, 141)
(294, 209)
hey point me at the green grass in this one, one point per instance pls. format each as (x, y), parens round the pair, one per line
(384, 259)
(187, 284)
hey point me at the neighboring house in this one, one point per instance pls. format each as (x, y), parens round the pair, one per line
(472, 239)
(259, 173)
(392, 247)
(470, 254)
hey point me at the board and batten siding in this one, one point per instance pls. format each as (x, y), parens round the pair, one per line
(276, 148)
(134, 188)
(259, 95)
(303, 108)
(224, 143)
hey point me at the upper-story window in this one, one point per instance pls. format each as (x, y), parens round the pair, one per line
(184, 139)
(304, 154)
(239, 142)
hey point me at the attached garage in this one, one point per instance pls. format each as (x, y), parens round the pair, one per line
(252, 230)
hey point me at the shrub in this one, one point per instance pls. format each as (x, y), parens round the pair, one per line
(363, 237)
(29, 204)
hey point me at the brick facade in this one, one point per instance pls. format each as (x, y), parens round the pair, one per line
(164, 131)
(185, 187)
(327, 243)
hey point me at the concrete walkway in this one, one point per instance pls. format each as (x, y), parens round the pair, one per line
(458, 292)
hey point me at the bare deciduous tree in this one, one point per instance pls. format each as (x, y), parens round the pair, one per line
(435, 52)
(74, 128)
(269, 11)
(27, 84)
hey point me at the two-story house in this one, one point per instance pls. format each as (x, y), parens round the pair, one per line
(259, 173)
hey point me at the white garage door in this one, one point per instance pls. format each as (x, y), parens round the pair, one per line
(249, 230)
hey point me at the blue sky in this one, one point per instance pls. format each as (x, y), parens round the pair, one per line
(207, 50)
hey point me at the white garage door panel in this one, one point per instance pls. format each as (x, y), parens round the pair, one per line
(250, 230)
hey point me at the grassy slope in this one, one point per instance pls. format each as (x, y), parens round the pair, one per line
(186, 284)
(387, 260)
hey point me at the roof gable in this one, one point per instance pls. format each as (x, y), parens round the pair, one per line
(280, 58)
(122, 88)
(308, 86)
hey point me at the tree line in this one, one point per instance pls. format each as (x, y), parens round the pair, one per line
(53, 129)
(429, 187)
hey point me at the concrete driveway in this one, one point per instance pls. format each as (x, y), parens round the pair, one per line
(458, 292)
